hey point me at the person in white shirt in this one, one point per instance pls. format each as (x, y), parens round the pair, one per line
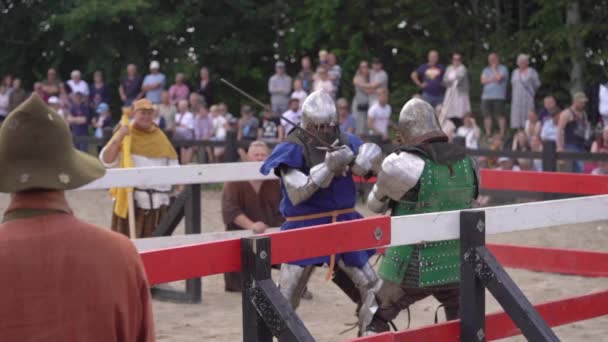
(184, 130)
(506, 164)
(603, 102)
(323, 82)
(293, 114)
(469, 131)
(220, 128)
(379, 115)
(77, 85)
(299, 92)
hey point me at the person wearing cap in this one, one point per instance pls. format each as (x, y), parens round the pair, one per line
(574, 129)
(103, 119)
(149, 147)
(62, 278)
(154, 83)
(279, 87)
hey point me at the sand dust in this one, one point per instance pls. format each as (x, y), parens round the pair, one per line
(218, 317)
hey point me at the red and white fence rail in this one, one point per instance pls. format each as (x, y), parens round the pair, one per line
(188, 257)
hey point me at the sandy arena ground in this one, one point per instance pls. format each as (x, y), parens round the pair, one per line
(218, 317)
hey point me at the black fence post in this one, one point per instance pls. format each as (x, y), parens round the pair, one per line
(231, 153)
(255, 261)
(549, 156)
(192, 213)
(472, 290)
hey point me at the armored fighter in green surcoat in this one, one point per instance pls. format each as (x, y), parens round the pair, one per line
(425, 174)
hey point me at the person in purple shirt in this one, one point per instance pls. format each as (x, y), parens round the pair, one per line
(130, 86)
(78, 118)
(428, 78)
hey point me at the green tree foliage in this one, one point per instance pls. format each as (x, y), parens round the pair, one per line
(240, 40)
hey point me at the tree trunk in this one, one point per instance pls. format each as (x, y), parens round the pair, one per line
(575, 43)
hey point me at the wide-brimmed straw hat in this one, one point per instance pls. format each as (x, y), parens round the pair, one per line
(37, 152)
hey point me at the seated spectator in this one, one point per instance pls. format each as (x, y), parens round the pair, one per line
(184, 130)
(39, 90)
(250, 205)
(247, 129)
(520, 142)
(77, 85)
(346, 119)
(379, 115)
(323, 82)
(103, 120)
(298, 92)
(159, 121)
(179, 91)
(220, 128)
(550, 108)
(536, 145)
(18, 94)
(469, 131)
(533, 125)
(601, 142)
(57, 107)
(195, 101)
(602, 166)
(167, 111)
(270, 130)
(293, 114)
(506, 164)
(78, 118)
(496, 144)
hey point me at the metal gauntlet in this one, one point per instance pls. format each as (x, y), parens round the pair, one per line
(369, 160)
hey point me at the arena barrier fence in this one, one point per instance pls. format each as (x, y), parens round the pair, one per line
(267, 314)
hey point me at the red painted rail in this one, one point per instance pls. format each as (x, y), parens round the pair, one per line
(216, 257)
(555, 182)
(499, 325)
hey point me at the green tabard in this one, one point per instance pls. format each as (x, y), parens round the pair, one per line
(440, 188)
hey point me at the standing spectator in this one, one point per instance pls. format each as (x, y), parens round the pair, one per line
(130, 86)
(55, 267)
(533, 125)
(39, 90)
(379, 115)
(361, 99)
(293, 114)
(550, 108)
(469, 131)
(270, 130)
(167, 110)
(601, 142)
(548, 131)
(306, 75)
(154, 83)
(251, 205)
(298, 92)
(78, 118)
(205, 86)
(103, 120)
(524, 83)
(428, 78)
(573, 129)
(179, 91)
(77, 85)
(598, 101)
(184, 130)
(18, 94)
(248, 125)
(494, 80)
(99, 89)
(456, 81)
(323, 57)
(220, 128)
(203, 130)
(378, 78)
(195, 101)
(322, 81)
(279, 87)
(159, 120)
(346, 119)
(334, 70)
(52, 85)
(5, 96)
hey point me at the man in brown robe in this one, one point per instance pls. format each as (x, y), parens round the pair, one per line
(251, 205)
(62, 279)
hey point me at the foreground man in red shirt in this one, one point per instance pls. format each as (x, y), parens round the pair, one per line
(61, 279)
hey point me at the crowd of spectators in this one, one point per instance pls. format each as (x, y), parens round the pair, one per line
(187, 111)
